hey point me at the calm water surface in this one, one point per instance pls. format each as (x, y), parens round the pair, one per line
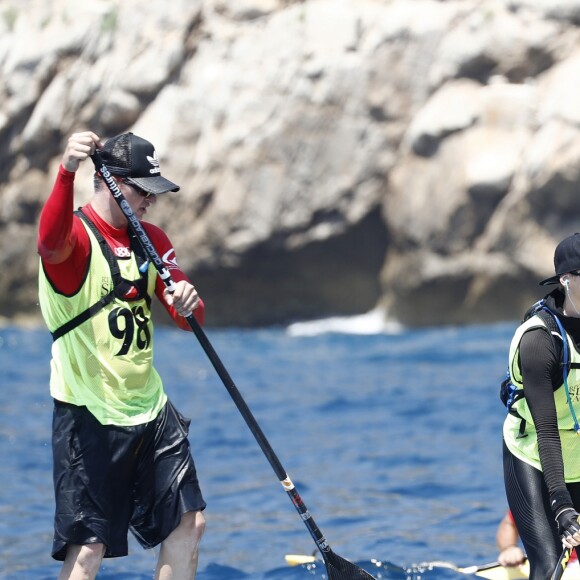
(392, 440)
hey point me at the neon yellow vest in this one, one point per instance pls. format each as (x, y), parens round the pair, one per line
(526, 448)
(105, 363)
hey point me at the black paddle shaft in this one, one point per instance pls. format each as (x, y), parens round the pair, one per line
(338, 568)
(561, 565)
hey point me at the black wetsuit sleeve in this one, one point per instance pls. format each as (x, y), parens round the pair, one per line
(542, 373)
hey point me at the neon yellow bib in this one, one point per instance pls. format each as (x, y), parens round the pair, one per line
(105, 363)
(526, 448)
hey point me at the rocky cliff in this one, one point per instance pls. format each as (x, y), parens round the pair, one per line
(334, 155)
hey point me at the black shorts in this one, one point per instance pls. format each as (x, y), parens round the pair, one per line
(110, 479)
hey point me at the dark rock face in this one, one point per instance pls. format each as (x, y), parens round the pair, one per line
(275, 286)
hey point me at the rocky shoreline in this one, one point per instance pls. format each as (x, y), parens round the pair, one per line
(334, 155)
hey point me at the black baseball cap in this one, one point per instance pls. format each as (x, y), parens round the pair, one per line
(566, 258)
(135, 159)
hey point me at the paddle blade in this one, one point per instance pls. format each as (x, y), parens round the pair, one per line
(340, 569)
(501, 573)
(297, 559)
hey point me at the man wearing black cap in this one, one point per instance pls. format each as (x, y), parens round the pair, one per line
(120, 449)
(542, 435)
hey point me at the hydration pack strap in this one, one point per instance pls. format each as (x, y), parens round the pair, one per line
(83, 316)
(120, 285)
(105, 248)
(554, 327)
(565, 370)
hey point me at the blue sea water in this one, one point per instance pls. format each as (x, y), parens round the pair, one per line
(393, 440)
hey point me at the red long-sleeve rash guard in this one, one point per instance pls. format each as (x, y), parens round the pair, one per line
(64, 245)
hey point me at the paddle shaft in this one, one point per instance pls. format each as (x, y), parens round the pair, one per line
(556, 575)
(470, 570)
(137, 228)
(561, 565)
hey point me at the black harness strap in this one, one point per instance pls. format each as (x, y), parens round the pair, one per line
(83, 316)
(548, 319)
(120, 285)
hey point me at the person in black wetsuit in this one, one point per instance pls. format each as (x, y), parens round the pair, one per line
(541, 446)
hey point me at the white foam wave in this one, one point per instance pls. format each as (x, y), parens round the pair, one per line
(373, 322)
